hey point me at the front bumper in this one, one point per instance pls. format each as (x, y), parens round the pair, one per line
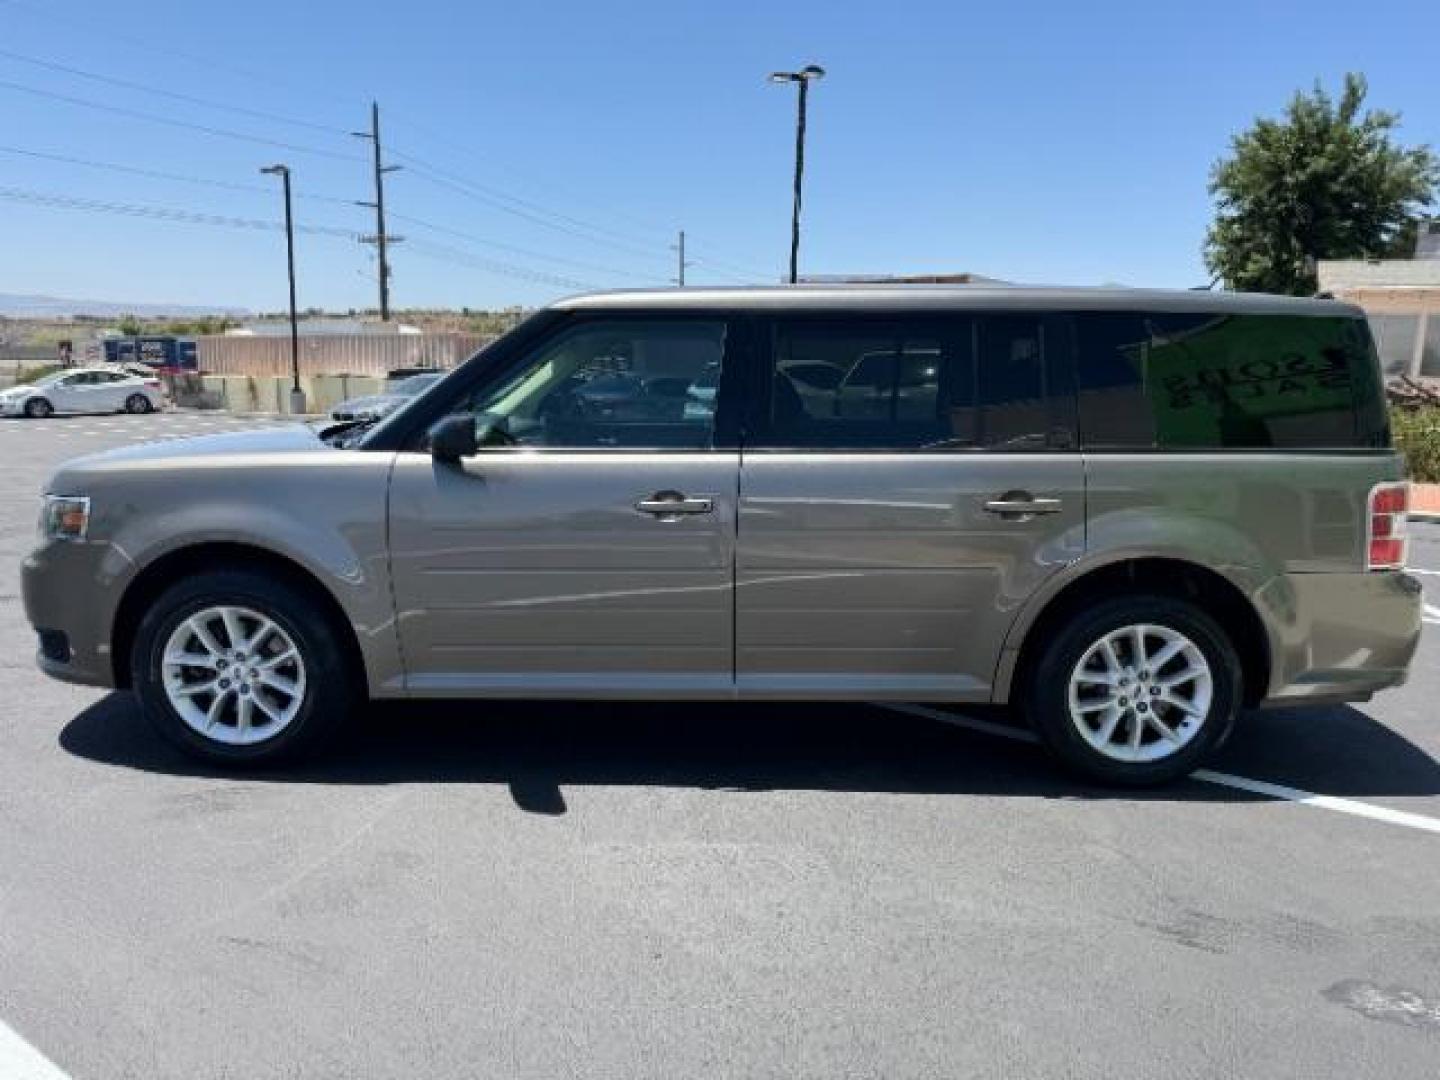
(1340, 637)
(71, 589)
(12, 406)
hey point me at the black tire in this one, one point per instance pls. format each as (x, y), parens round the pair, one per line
(138, 403)
(330, 694)
(1046, 701)
(38, 408)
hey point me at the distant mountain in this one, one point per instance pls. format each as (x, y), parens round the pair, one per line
(17, 306)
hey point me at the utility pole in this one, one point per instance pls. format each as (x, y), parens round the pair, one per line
(381, 239)
(682, 263)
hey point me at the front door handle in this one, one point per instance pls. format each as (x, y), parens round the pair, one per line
(670, 505)
(1022, 504)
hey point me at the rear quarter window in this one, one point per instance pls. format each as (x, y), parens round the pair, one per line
(1227, 381)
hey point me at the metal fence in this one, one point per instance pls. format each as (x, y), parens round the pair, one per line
(335, 354)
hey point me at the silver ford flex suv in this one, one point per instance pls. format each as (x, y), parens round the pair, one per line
(1131, 515)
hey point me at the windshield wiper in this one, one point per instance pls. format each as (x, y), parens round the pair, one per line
(345, 433)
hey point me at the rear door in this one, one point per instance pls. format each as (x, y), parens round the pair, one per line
(111, 389)
(906, 483)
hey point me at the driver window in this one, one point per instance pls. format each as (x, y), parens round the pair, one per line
(630, 385)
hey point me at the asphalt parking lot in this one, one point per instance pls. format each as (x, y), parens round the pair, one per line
(543, 890)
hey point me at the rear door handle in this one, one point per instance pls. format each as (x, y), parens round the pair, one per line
(1023, 505)
(671, 504)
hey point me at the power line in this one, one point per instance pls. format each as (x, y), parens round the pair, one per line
(161, 213)
(110, 80)
(494, 197)
(156, 174)
(731, 269)
(153, 118)
(525, 208)
(533, 212)
(233, 185)
(509, 204)
(209, 62)
(579, 264)
(442, 252)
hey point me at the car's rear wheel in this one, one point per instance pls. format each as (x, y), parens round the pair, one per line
(138, 403)
(1135, 690)
(239, 668)
(37, 408)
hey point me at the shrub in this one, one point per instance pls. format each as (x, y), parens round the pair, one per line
(1417, 436)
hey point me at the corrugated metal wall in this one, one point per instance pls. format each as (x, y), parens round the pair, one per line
(335, 354)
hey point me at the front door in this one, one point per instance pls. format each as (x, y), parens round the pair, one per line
(907, 483)
(68, 394)
(589, 546)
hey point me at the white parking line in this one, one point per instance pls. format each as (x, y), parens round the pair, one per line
(1324, 802)
(21, 1061)
(1209, 776)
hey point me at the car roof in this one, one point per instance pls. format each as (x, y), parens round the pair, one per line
(932, 298)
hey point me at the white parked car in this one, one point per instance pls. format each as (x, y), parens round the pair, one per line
(83, 390)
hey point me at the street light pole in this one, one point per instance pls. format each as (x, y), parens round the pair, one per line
(297, 396)
(802, 79)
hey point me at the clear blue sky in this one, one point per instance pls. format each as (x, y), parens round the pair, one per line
(1044, 142)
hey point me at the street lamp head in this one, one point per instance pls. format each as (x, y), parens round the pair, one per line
(806, 74)
(276, 170)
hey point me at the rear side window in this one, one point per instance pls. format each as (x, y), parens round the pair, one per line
(1220, 381)
(972, 382)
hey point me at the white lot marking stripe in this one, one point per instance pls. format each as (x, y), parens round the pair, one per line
(1417, 570)
(1325, 802)
(1432, 612)
(1209, 776)
(21, 1061)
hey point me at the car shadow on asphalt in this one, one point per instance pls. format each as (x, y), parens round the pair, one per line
(539, 748)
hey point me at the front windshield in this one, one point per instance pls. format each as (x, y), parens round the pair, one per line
(415, 384)
(51, 379)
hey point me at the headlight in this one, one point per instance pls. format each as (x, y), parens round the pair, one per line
(65, 517)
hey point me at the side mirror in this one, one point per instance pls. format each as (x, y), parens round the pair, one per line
(453, 438)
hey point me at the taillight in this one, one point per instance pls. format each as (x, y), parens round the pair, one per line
(153, 384)
(1386, 534)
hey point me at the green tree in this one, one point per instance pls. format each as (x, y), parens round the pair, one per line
(1326, 181)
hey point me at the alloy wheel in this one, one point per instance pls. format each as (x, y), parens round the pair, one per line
(1140, 693)
(233, 675)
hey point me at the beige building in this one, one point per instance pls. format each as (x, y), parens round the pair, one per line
(1402, 299)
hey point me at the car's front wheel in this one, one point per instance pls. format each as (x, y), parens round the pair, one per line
(238, 668)
(1136, 690)
(37, 408)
